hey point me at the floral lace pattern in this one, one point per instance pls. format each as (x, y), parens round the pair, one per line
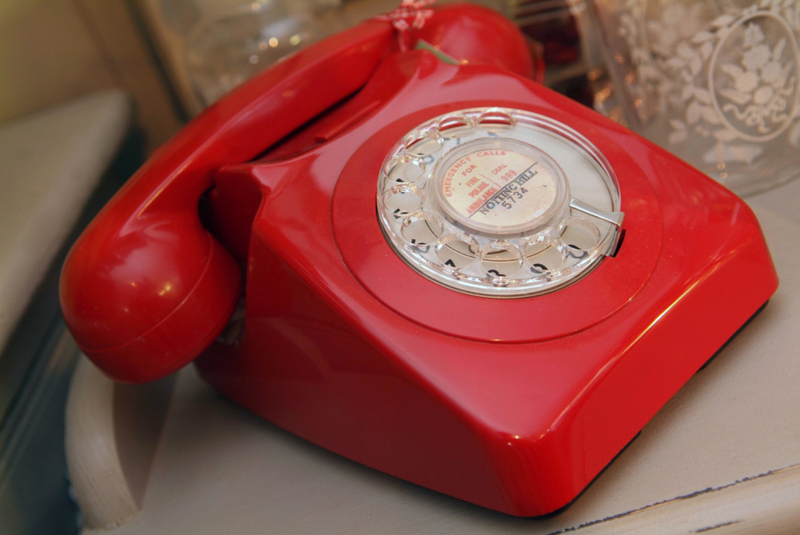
(725, 78)
(763, 84)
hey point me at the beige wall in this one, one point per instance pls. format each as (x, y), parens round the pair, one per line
(52, 51)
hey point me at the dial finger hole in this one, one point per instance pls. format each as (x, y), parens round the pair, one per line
(500, 260)
(544, 255)
(402, 199)
(421, 230)
(452, 124)
(422, 143)
(580, 236)
(405, 169)
(496, 118)
(456, 251)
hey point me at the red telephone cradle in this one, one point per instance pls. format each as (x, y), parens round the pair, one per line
(511, 404)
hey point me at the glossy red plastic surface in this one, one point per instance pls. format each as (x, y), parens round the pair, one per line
(479, 35)
(146, 290)
(574, 308)
(513, 405)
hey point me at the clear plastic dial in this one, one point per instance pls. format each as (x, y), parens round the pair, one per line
(498, 202)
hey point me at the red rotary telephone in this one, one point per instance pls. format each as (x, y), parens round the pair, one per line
(410, 254)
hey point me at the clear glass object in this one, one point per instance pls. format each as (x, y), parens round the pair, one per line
(715, 82)
(225, 49)
(498, 202)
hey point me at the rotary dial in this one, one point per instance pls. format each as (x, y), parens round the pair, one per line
(498, 203)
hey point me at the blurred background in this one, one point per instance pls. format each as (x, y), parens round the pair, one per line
(174, 57)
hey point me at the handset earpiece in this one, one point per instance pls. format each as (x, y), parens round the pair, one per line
(146, 288)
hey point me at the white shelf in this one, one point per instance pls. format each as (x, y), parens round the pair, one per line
(722, 454)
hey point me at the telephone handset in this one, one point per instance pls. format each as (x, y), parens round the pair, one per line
(451, 273)
(152, 225)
